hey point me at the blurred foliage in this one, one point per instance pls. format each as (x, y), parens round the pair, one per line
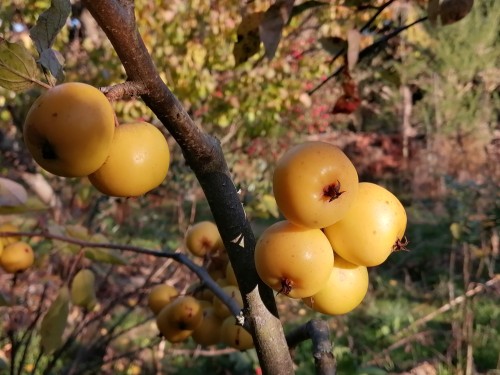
(258, 109)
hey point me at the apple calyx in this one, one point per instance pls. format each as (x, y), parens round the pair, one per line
(332, 191)
(48, 152)
(286, 286)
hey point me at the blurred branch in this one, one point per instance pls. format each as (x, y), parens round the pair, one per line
(448, 306)
(179, 257)
(319, 333)
(367, 51)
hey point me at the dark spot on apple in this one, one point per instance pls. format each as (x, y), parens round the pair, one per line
(182, 326)
(48, 151)
(54, 114)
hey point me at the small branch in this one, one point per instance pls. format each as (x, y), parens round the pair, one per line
(318, 331)
(365, 27)
(404, 341)
(448, 306)
(179, 257)
(367, 51)
(124, 91)
(380, 9)
(202, 352)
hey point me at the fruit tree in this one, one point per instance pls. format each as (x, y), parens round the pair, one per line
(333, 225)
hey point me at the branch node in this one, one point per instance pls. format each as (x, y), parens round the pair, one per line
(124, 91)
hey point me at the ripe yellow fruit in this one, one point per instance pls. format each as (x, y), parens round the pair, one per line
(220, 309)
(293, 260)
(200, 291)
(177, 320)
(138, 161)
(369, 232)
(160, 296)
(203, 238)
(17, 257)
(217, 265)
(314, 184)
(69, 129)
(9, 240)
(344, 290)
(235, 336)
(209, 331)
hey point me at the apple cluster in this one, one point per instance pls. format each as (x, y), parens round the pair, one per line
(198, 313)
(70, 131)
(15, 255)
(334, 228)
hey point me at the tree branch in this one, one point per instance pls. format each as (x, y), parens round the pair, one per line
(178, 257)
(367, 51)
(205, 157)
(319, 333)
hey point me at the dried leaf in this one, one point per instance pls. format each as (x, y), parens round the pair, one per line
(452, 11)
(433, 11)
(353, 43)
(333, 44)
(54, 322)
(271, 27)
(248, 43)
(12, 193)
(18, 69)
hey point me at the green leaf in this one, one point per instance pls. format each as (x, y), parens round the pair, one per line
(371, 371)
(268, 204)
(101, 254)
(49, 24)
(83, 289)
(44, 33)
(54, 322)
(18, 69)
(53, 61)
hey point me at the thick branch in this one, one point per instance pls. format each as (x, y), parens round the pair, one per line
(319, 333)
(204, 155)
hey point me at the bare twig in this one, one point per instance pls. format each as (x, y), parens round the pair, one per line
(448, 306)
(125, 90)
(367, 51)
(179, 257)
